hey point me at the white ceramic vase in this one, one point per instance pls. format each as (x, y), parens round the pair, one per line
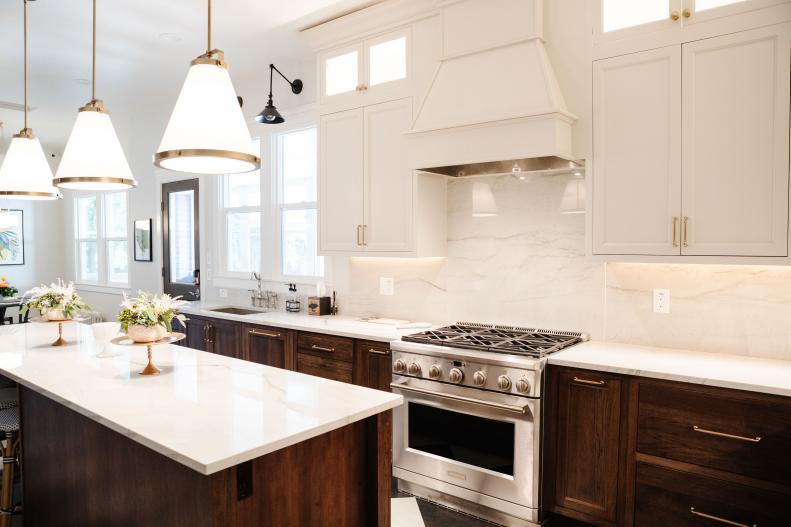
(55, 314)
(146, 333)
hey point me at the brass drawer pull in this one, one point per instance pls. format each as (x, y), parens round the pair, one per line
(359, 235)
(378, 352)
(365, 243)
(675, 230)
(592, 383)
(718, 519)
(686, 229)
(259, 333)
(320, 348)
(755, 439)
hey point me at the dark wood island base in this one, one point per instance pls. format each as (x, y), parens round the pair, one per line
(77, 472)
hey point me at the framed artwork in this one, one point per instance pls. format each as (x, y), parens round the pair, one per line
(12, 237)
(143, 241)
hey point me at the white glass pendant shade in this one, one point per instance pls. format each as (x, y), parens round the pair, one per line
(207, 133)
(573, 201)
(25, 173)
(483, 203)
(93, 158)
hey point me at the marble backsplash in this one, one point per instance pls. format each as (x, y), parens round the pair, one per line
(527, 266)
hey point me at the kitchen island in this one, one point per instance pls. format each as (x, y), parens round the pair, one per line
(211, 441)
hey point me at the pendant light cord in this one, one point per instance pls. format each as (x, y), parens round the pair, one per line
(93, 69)
(208, 39)
(25, 60)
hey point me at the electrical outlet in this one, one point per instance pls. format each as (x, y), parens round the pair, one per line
(223, 293)
(386, 286)
(661, 300)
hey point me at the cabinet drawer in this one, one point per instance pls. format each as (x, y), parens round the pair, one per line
(739, 432)
(338, 348)
(671, 497)
(324, 367)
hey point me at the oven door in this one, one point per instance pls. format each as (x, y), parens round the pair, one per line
(486, 442)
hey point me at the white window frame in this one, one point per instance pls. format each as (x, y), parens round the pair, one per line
(101, 241)
(278, 206)
(222, 225)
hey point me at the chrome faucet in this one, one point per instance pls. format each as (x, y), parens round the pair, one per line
(261, 298)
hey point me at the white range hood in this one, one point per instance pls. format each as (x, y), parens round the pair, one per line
(494, 103)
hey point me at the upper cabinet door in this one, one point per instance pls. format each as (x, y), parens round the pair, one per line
(616, 19)
(387, 62)
(637, 153)
(389, 182)
(695, 11)
(342, 75)
(736, 143)
(341, 181)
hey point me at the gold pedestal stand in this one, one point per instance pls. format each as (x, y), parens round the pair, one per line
(150, 369)
(60, 341)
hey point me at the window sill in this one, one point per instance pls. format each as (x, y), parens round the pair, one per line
(105, 289)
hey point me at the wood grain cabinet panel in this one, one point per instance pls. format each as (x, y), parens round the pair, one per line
(196, 333)
(269, 346)
(588, 444)
(372, 367)
(323, 367)
(667, 497)
(328, 346)
(740, 432)
(223, 338)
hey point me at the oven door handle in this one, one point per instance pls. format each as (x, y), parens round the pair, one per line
(518, 409)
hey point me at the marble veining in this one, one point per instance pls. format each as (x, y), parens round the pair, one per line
(206, 411)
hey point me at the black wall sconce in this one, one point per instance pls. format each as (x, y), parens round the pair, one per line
(270, 115)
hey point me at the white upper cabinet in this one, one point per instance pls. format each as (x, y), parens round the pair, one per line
(623, 18)
(722, 189)
(637, 153)
(696, 11)
(365, 72)
(736, 143)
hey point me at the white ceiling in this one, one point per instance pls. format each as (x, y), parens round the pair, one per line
(136, 67)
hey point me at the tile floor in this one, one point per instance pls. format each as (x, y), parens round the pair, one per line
(408, 511)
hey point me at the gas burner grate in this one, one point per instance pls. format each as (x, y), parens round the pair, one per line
(499, 339)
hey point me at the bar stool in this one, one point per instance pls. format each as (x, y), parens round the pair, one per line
(9, 432)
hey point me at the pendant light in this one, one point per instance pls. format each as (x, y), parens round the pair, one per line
(25, 173)
(93, 158)
(207, 133)
(270, 115)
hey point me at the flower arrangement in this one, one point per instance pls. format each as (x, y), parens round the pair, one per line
(56, 302)
(6, 289)
(148, 317)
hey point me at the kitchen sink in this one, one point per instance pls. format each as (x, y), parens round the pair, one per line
(237, 311)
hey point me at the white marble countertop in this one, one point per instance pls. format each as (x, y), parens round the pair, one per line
(332, 325)
(205, 411)
(714, 369)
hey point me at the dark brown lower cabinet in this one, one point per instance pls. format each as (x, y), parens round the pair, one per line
(631, 451)
(196, 333)
(224, 338)
(268, 346)
(372, 367)
(325, 356)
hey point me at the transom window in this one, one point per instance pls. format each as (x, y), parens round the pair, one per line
(102, 231)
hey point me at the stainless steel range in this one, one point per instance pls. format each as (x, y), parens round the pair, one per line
(468, 435)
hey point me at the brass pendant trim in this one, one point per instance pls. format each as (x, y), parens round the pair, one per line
(207, 152)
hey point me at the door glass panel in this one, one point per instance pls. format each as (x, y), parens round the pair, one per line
(89, 261)
(181, 206)
(117, 261)
(620, 14)
(387, 61)
(299, 248)
(243, 241)
(702, 5)
(341, 73)
(476, 441)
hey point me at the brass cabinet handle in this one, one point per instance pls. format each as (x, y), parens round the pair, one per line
(675, 229)
(755, 439)
(365, 243)
(687, 13)
(378, 352)
(359, 231)
(674, 16)
(592, 383)
(259, 333)
(718, 519)
(320, 348)
(686, 229)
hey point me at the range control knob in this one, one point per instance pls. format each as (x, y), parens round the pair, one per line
(523, 385)
(399, 366)
(435, 372)
(503, 382)
(479, 378)
(456, 375)
(414, 369)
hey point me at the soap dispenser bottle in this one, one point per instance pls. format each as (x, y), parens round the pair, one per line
(292, 301)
